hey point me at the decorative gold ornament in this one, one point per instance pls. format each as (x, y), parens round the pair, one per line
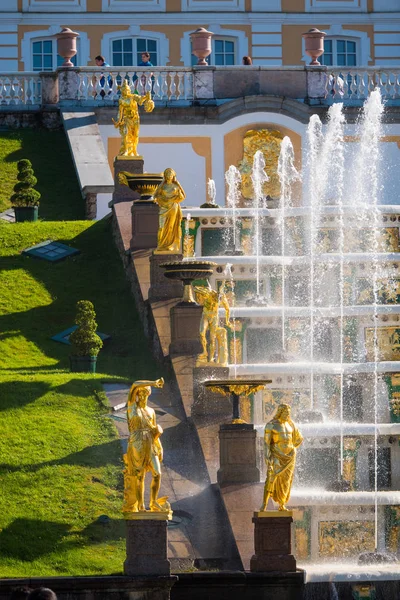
(144, 453)
(236, 388)
(168, 196)
(218, 339)
(128, 120)
(346, 538)
(388, 342)
(281, 438)
(269, 142)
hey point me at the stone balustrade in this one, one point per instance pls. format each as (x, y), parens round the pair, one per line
(98, 86)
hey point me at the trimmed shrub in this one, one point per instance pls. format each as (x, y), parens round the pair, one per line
(24, 194)
(84, 339)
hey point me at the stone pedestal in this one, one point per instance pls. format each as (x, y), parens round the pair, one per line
(272, 544)
(205, 402)
(146, 547)
(144, 225)
(238, 454)
(131, 165)
(185, 330)
(162, 288)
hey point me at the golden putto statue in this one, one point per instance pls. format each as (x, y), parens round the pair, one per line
(144, 452)
(211, 301)
(269, 142)
(128, 120)
(168, 196)
(281, 438)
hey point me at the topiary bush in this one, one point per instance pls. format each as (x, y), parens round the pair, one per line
(84, 339)
(24, 194)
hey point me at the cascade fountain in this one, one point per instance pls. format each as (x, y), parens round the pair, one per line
(320, 338)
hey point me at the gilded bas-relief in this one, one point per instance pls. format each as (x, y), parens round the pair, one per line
(388, 342)
(392, 517)
(269, 142)
(358, 240)
(298, 400)
(346, 538)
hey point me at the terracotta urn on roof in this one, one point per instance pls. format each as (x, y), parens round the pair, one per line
(314, 41)
(201, 44)
(66, 45)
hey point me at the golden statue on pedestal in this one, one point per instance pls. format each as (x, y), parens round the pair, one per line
(144, 452)
(168, 196)
(218, 338)
(128, 120)
(281, 438)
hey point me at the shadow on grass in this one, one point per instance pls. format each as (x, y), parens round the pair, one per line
(61, 198)
(29, 539)
(108, 453)
(97, 275)
(17, 394)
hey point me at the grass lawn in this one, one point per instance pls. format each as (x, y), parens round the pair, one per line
(60, 457)
(52, 163)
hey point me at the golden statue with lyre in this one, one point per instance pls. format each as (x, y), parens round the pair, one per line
(128, 120)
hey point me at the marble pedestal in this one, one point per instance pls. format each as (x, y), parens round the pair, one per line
(185, 330)
(272, 544)
(238, 454)
(146, 546)
(144, 225)
(162, 288)
(131, 165)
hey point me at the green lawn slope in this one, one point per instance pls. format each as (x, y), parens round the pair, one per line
(60, 456)
(52, 163)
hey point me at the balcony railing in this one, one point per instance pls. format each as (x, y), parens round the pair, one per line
(88, 86)
(20, 89)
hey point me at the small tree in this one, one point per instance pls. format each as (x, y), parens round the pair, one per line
(84, 339)
(24, 194)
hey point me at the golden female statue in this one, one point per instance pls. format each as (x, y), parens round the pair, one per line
(144, 451)
(128, 120)
(168, 196)
(281, 438)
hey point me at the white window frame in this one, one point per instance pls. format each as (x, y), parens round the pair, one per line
(335, 52)
(53, 53)
(363, 44)
(235, 35)
(134, 31)
(58, 6)
(46, 34)
(330, 6)
(212, 5)
(224, 38)
(133, 6)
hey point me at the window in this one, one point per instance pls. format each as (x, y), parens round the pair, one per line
(340, 53)
(223, 53)
(45, 57)
(127, 52)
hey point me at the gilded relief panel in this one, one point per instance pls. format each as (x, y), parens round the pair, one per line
(358, 240)
(346, 538)
(388, 342)
(269, 142)
(299, 400)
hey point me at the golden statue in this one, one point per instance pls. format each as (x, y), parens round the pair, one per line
(211, 302)
(269, 142)
(168, 196)
(128, 120)
(144, 452)
(281, 438)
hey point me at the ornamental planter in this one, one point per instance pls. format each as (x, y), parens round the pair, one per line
(26, 213)
(83, 364)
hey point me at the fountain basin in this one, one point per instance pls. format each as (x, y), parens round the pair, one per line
(187, 271)
(144, 184)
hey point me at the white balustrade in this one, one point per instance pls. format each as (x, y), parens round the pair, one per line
(20, 89)
(100, 85)
(356, 83)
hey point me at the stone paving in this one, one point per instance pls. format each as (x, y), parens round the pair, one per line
(8, 215)
(199, 534)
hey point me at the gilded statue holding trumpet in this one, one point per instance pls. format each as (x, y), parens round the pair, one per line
(144, 452)
(128, 120)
